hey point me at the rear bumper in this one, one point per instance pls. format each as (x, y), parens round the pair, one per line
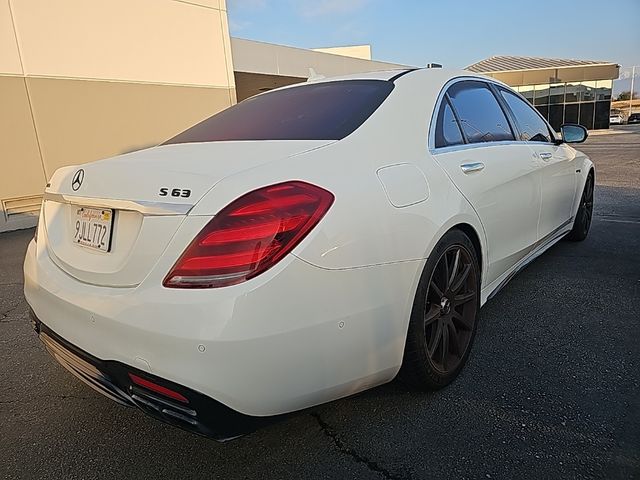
(294, 337)
(201, 415)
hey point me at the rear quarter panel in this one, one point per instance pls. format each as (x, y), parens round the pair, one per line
(363, 227)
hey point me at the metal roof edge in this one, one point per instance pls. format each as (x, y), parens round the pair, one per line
(544, 68)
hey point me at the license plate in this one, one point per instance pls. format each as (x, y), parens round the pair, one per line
(93, 228)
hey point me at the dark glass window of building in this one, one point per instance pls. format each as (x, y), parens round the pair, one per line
(572, 94)
(527, 92)
(556, 94)
(556, 116)
(586, 115)
(588, 91)
(544, 111)
(541, 95)
(602, 114)
(571, 113)
(573, 102)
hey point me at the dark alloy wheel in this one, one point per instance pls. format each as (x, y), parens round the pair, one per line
(443, 322)
(582, 223)
(451, 313)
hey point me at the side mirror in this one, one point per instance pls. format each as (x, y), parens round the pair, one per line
(573, 133)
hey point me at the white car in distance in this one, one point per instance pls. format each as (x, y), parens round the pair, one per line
(616, 118)
(301, 246)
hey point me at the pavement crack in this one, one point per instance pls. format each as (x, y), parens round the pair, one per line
(343, 448)
(6, 313)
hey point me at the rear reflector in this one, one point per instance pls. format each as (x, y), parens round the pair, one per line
(154, 387)
(250, 235)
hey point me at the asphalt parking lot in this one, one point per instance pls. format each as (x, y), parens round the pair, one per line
(552, 389)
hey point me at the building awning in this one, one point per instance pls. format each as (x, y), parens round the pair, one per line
(517, 71)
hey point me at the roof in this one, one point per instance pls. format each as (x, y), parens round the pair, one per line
(505, 63)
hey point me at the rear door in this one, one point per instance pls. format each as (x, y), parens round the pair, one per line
(557, 170)
(475, 144)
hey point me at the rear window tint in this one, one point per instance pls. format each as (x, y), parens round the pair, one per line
(320, 111)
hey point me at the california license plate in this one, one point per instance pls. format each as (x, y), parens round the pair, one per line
(93, 228)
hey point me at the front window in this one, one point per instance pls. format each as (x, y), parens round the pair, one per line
(316, 111)
(532, 127)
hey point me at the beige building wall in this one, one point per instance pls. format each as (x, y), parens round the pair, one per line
(261, 66)
(356, 51)
(87, 79)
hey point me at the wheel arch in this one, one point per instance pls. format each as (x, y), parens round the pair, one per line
(470, 232)
(469, 224)
(588, 168)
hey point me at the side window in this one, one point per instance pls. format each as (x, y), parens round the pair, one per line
(532, 127)
(447, 129)
(481, 117)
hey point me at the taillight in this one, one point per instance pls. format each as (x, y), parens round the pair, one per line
(154, 387)
(250, 235)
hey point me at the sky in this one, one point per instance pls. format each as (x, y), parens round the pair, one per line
(455, 33)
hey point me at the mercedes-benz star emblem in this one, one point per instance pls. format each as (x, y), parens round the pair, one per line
(77, 180)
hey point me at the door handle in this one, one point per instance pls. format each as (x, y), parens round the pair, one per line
(472, 167)
(546, 155)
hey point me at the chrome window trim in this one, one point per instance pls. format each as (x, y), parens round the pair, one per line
(434, 118)
(468, 146)
(147, 208)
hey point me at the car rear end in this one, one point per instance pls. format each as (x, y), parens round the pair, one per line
(120, 300)
(167, 279)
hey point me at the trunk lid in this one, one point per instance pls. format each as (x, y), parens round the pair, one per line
(146, 194)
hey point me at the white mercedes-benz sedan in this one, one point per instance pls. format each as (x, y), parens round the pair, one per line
(301, 246)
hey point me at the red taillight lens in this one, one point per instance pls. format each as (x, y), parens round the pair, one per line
(250, 235)
(154, 387)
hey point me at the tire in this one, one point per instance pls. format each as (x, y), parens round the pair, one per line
(444, 315)
(582, 222)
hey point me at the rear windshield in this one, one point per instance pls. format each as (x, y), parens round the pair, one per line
(320, 111)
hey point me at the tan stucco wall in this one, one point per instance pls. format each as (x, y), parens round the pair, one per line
(355, 51)
(261, 66)
(250, 56)
(78, 120)
(21, 168)
(86, 79)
